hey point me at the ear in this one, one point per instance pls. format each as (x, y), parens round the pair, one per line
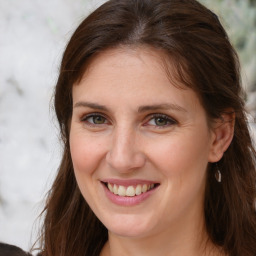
(223, 132)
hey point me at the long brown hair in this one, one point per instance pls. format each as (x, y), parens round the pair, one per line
(192, 37)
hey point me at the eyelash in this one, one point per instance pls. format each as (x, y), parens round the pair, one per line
(170, 121)
(93, 115)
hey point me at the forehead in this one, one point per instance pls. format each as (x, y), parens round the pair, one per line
(121, 67)
(125, 56)
(129, 57)
(131, 77)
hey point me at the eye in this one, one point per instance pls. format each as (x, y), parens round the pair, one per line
(161, 120)
(95, 119)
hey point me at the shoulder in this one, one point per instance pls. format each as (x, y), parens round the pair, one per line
(12, 250)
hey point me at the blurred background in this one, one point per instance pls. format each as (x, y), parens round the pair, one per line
(33, 35)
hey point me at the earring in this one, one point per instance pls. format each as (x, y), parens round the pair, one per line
(218, 174)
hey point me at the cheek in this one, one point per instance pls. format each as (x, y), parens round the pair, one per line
(181, 155)
(85, 153)
(183, 163)
(86, 156)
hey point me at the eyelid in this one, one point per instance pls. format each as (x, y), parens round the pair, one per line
(171, 120)
(93, 114)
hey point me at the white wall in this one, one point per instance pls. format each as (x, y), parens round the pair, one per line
(33, 34)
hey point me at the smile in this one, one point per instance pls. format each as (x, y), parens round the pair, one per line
(130, 190)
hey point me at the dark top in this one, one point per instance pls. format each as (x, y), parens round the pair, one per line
(11, 250)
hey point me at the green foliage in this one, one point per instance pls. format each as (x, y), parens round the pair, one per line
(239, 19)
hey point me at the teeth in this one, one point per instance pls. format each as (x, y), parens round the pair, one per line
(138, 190)
(115, 189)
(121, 191)
(144, 188)
(130, 190)
(110, 187)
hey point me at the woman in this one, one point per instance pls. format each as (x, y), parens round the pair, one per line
(157, 155)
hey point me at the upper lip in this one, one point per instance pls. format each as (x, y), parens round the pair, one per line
(129, 182)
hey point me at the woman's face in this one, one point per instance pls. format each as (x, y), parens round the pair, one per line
(139, 145)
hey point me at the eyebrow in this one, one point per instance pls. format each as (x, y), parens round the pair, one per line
(90, 105)
(166, 106)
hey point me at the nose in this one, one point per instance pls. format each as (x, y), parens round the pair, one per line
(125, 154)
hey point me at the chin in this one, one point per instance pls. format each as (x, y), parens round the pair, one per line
(128, 226)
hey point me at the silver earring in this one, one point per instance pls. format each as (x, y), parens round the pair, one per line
(218, 174)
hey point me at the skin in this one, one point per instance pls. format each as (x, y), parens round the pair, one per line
(122, 139)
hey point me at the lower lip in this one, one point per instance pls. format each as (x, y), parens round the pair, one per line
(127, 200)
